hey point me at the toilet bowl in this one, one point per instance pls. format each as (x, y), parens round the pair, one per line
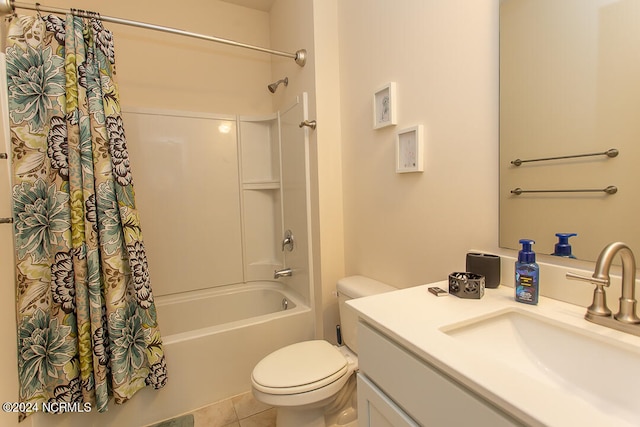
(304, 379)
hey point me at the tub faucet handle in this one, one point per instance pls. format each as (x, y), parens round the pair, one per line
(287, 242)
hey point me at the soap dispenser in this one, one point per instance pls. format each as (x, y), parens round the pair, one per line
(563, 248)
(527, 274)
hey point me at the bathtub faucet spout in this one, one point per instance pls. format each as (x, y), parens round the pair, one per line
(285, 272)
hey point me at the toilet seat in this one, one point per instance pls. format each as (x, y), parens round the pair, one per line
(299, 368)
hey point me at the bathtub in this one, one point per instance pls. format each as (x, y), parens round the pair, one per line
(193, 314)
(212, 341)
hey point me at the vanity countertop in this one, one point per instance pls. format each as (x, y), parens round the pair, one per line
(414, 318)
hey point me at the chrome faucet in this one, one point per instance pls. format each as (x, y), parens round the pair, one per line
(626, 319)
(285, 272)
(287, 241)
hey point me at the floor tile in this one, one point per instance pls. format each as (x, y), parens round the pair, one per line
(216, 415)
(263, 419)
(182, 421)
(246, 405)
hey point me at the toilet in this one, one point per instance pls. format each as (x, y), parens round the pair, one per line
(304, 380)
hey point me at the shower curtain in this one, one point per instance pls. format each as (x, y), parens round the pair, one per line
(86, 317)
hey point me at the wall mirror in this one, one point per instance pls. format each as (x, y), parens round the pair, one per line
(570, 85)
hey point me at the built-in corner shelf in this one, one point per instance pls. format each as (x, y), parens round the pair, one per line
(265, 185)
(261, 195)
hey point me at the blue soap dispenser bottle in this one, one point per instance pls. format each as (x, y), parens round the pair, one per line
(563, 248)
(527, 274)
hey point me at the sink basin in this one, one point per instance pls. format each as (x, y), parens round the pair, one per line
(599, 369)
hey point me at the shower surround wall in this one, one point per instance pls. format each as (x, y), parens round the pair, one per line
(187, 187)
(210, 190)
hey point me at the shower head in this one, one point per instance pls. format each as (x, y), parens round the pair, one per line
(273, 86)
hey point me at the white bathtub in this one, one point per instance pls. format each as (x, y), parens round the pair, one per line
(212, 341)
(193, 314)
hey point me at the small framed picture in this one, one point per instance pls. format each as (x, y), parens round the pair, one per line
(384, 106)
(409, 150)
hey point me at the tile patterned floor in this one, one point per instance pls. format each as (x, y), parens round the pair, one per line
(239, 411)
(181, 421)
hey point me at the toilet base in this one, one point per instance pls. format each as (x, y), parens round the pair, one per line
(343, 411)
(339, 408)
(292, 417)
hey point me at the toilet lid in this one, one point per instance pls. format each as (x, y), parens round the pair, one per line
(299, 367)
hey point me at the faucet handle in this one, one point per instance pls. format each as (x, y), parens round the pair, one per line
(599, 305)
(287, 242)
(595, 280)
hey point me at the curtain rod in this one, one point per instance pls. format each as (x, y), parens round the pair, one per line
(7, 7)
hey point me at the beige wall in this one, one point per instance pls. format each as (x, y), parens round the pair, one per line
(8, 346)
(160, 70)
(329, 158)
(402, 229)
(291, 30)
(410, 229)
(312, 25)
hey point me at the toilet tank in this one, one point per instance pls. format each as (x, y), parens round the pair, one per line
(355, 287)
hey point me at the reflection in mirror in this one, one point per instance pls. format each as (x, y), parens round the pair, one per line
(570, 85)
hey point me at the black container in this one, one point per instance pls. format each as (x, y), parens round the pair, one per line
(486, 265)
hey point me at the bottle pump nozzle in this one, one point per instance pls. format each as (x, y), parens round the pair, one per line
(526, 254)
(563, 248)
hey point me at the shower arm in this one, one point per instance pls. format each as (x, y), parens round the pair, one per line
(7, 7)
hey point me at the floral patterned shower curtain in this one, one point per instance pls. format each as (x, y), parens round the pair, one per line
(87, 326)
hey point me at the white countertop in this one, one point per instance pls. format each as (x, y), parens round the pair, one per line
(413, 317)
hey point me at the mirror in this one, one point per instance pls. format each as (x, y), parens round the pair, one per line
(570, 85)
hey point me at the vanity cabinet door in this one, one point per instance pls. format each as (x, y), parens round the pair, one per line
(377, 410)
(426, 394)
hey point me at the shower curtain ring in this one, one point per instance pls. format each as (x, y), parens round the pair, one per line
(38, 11)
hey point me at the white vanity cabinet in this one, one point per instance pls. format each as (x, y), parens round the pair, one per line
(396, 388)
(376, 409)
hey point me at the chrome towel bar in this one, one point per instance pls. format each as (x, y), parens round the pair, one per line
(612, 189)
(609, 153)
